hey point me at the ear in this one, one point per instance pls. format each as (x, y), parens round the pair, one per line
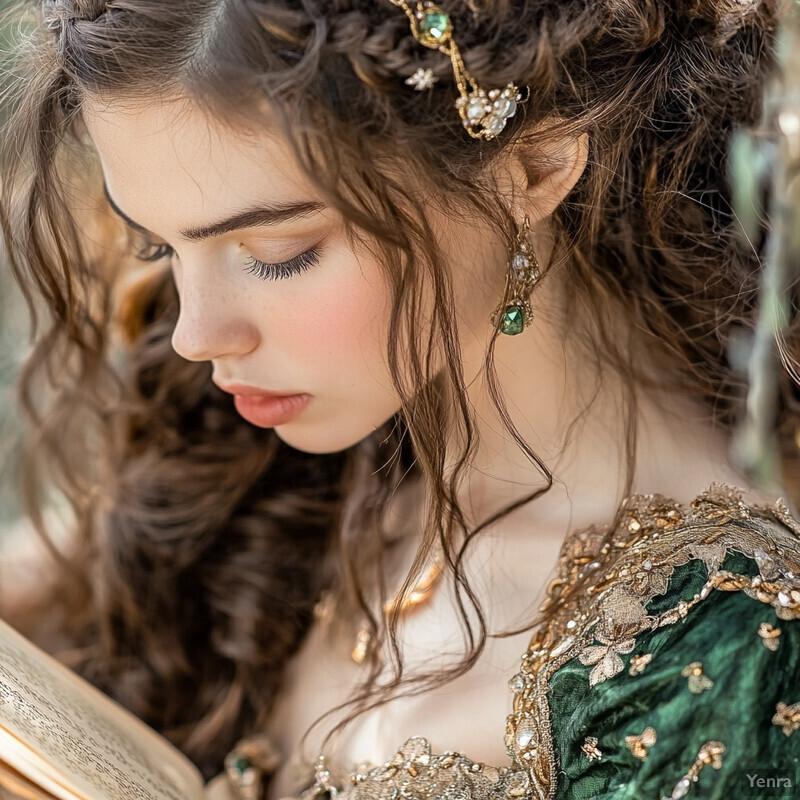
(539, 171)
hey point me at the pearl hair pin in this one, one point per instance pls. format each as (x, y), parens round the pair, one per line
(484, 113)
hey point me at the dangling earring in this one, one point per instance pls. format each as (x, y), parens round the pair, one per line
(522, 274)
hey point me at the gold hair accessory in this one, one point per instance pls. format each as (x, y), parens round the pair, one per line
(484, 113)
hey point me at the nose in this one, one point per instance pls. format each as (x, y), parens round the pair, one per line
(212, 321)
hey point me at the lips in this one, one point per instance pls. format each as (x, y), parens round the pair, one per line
(269, 412)
(265, 408)
(246, 390)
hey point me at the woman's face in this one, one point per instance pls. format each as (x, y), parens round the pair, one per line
(225, 209)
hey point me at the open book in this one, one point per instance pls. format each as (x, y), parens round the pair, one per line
(62, 738)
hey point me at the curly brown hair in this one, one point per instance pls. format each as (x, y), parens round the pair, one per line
(193, 572)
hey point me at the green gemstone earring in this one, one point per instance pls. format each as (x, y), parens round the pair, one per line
(523, 273)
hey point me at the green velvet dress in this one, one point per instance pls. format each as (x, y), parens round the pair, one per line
(670, 668)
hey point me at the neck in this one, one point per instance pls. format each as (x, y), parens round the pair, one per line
(572, 414)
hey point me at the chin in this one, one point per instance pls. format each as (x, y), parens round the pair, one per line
(320, 440)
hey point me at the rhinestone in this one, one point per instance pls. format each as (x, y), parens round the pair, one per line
(517, 683)
(520, 261)
(525, 733)
(513, 321)
(434, 26)
(242, 764)
(562, 647)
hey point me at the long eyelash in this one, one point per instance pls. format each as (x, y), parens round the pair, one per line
(154, 252)
(268, 272)
(276, 272)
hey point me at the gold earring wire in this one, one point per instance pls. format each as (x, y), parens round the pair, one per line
(522, 274)
(483, 113)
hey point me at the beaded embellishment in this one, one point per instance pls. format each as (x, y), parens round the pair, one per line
(484, 113)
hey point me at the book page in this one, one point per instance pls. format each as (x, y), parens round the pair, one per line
(75, 742)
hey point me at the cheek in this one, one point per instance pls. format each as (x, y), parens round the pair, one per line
(343, 324)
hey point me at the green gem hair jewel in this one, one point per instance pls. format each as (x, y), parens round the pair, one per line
(522, 274)
(483, 113)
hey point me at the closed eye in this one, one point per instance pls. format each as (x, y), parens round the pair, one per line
(155, 251)
(283, 269)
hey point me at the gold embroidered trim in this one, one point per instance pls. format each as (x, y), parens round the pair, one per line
(606, 580)
(598, 609)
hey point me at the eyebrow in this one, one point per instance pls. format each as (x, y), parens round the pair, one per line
(248, 218)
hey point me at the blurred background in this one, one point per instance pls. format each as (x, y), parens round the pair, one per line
(14, 330)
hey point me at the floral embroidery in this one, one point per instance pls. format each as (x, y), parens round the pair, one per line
(606, 657)
(698, 682)
(639, 745)
(788, 717)
(648, 580)
(638, 664)
(590, 750)
(769, 636)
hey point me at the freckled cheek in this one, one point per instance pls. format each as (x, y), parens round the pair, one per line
(345, 322)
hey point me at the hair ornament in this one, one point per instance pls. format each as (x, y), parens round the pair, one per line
(483, 113)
